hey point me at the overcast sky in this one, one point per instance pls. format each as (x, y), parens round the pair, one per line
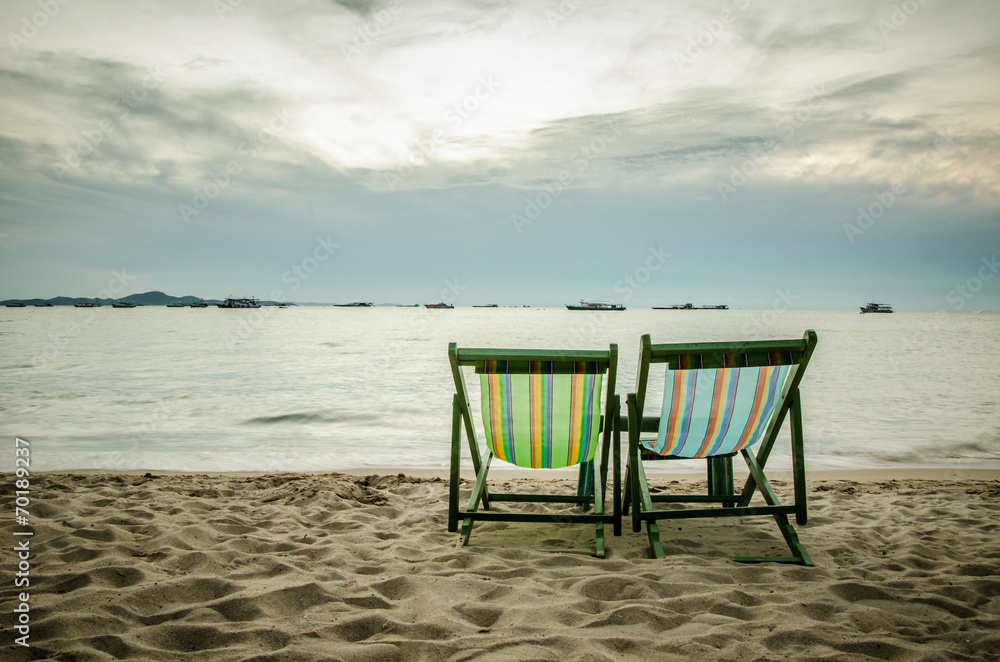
(535, 152)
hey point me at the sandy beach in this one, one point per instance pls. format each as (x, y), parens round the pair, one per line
(347, 567)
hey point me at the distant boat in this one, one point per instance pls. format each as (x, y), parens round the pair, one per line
(245, 302)
(595, 305)
(123, 304)
(487, 305)
(177, 304)
(355, 304)
(200, 304)
(43, 305)
(16, 304)
(88, 304)
(438, 305)
(691, 306)
(407, 305)
(876, 308)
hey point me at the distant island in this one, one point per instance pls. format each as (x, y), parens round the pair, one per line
(154, 298)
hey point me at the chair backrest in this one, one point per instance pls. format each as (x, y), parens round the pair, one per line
(719, 398)
(540, 408)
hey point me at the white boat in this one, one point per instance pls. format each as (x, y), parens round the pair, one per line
(245, 302)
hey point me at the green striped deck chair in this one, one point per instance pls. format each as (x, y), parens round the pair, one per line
(719, 400)
(541, 409)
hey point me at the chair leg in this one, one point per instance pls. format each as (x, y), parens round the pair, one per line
(598, 512)
(585, 484)
(616, 462)
(635, 464)
(477, 495)
(652, 528)
(456, 459)
(792, 540)
(798, 461)
(653, 533)
(787, 530)
(636, 494)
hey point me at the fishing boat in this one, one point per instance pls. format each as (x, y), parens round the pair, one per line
(876, 308)
(245, 302)
(595, 305)
(123, 304)
(355, 304)
(88, 304)
(486, 305)
(438, 305)
(177, 304)
(200, 304)
(691, 306)
(43, 305)
(16, 304)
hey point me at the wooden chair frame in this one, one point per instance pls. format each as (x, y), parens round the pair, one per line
(594, 475)
(720, 467)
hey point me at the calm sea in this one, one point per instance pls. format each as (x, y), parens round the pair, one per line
(323, 388)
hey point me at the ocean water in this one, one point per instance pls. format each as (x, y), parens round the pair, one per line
(323, 388)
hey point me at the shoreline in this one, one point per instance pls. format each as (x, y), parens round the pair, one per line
(857, 475)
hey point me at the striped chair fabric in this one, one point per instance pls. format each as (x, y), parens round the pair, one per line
(541, 416)
(716, 412)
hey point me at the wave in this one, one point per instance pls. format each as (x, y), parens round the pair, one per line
(313, 417)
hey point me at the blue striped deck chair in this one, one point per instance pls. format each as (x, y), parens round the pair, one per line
(541, 409)
(719, 400)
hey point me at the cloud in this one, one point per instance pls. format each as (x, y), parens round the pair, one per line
(116, 116)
